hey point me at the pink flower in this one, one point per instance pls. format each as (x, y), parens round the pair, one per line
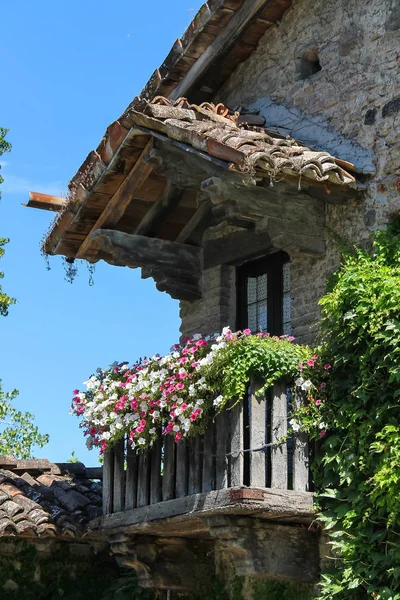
(194, 365)
(184, 406)
(291, 338)
(193, 416)
(327, 366)
(193, 350)
(142, 423)
(182, 375)
(315, 356)
(180, 386)
(182, 359)
(317, 402)
(247, 331)
(322, 433)
(75, 392)
(322, 386)
(311, 362)
(178, 436)
(200, 343)
(301, 367)
(134, 404)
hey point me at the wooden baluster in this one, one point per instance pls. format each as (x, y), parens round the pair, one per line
(143, 491)
(300, 454)
(258, 420)
(222, 448)
(195, 465)
(119, 476)
(168, 482)
(279, 463)
(108, 482)
(155, 472)
(208, 459)
(181, 468)
(131, 478)
(237, 445)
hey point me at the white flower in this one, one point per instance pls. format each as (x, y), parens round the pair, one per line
(322, 425)
(294, 425)
(141, 441)
(226, 330)
(218, 400)
(299, 381)
(175, 428)
(306, 385)
(197, 336)
(152, 430)
(106, 435)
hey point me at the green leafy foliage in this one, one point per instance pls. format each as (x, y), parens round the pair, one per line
(269, 359)
(357, 470)
(4, 146)
(5, 300)
(18, 433)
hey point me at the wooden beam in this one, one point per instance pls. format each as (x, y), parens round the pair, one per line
(198, 221)
(121, 199)
(176, 268)
(154, 217)
(236, 248)
(222, 43)
(45, 201)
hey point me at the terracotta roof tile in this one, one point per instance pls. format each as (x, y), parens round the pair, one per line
(38, 498)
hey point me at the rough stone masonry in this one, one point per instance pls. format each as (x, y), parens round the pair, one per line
(329, 75)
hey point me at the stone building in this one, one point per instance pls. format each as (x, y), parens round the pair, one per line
(270, 125)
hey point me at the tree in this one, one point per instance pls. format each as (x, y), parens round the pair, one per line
(5, 300)
(18, 433)
(17, 430)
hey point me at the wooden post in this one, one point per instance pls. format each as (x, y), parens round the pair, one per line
(222, 439)
(155, 472)
(119, 476)
(168, 483)
(279, 464)
(108, 482)
(208, 459)
(237, 445)
(143, 496)
(131, 478)
(181, 468)
(258, 420)
(195, 465)
(300, 455)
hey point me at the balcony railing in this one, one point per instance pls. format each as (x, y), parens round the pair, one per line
(244, 446)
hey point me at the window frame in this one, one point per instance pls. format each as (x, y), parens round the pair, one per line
(272, 266)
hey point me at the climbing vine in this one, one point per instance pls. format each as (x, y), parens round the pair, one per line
(357, 470)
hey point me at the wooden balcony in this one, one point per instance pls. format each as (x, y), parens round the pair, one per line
(232, 488)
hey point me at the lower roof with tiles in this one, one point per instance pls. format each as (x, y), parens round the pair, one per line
(43, 499)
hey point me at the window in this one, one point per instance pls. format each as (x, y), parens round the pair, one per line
(264, 295)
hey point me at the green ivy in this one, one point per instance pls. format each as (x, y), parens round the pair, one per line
(357, 470)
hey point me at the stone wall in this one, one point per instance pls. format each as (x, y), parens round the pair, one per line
(328, 75)
(216, 308)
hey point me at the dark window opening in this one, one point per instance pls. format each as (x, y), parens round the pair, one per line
(264, 295)
(308, 65)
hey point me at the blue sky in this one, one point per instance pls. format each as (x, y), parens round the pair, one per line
(69, 68)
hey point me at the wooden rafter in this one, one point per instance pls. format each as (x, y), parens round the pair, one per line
(46, 202)
(154, 217)
(221, 44)
(121, 199)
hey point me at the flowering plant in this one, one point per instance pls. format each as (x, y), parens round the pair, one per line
(177, 393)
